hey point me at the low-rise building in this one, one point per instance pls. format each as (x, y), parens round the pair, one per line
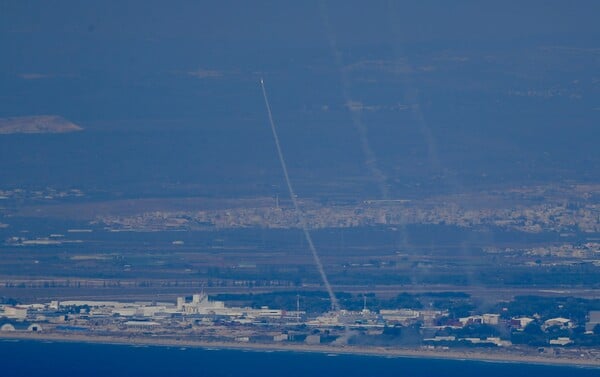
(593, 320)
(561, 341)
(400, 316)
(559, 321)
(521, 322)
(15, 312)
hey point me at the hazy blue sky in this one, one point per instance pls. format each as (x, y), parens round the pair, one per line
(70, 36)
(466, 89)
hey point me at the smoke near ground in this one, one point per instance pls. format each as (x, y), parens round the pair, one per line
(313, 250)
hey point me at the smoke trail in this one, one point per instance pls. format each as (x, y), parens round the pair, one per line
(411, 96)
(313, 250)
(370, 159)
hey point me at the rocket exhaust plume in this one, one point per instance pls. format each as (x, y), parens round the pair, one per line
(313, 250)
(381, 179)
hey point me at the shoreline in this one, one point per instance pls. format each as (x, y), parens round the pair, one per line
(459, 355)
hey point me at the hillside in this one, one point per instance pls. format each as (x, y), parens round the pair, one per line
(37, 125)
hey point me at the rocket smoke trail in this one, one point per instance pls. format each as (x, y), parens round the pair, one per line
(370, 158)
(317, 259)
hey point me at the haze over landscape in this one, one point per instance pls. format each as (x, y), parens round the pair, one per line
(443, 156)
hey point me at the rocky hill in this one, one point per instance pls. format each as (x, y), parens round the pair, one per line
(38, 124)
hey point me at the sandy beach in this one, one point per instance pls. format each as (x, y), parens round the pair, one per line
(474, 355)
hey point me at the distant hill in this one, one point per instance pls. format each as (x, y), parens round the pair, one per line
(39, 124)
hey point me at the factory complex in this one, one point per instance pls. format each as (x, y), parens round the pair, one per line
(199, 318)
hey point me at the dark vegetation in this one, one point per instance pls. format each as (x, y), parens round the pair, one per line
(549, 307)
(318, 301)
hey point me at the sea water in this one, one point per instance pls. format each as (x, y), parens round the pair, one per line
(32, 358)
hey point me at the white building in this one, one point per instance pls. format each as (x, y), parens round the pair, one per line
(472, 319)
(200, 305)
(559, 321)
(521, 322)
(400, 315)
(487, 319)
(491, 319)
(15, 312)
(561, 341)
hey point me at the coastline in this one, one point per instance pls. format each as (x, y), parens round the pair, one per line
(463, 355)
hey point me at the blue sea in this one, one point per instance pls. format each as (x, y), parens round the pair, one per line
(30, 358)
